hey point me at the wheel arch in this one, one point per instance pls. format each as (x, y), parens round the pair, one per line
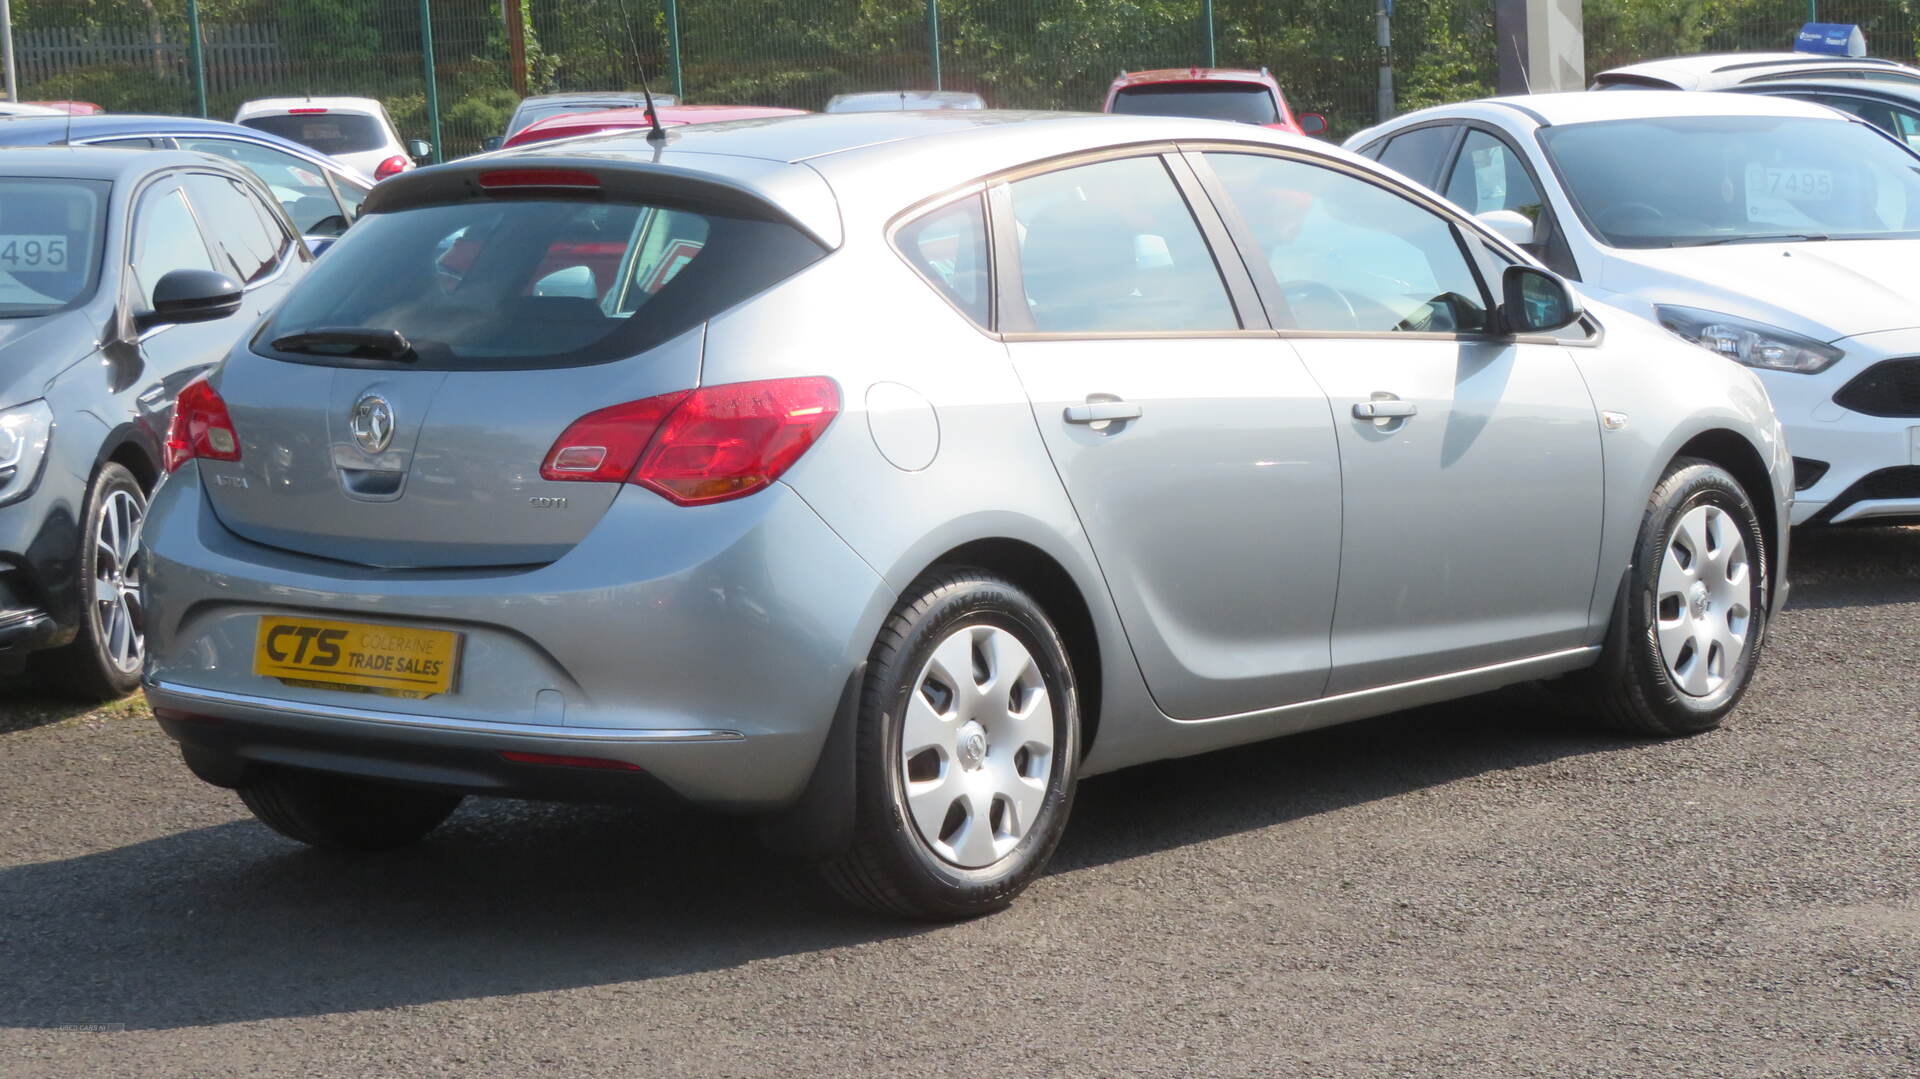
(1733, 452)
(1059, 595)
(134, 449)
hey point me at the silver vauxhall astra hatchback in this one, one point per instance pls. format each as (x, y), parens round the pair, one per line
(882, 475)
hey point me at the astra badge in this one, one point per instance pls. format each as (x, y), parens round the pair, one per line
(372, 423)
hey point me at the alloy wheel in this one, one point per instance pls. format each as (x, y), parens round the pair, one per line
(119, 622)
(976, 746)
(1702, 612)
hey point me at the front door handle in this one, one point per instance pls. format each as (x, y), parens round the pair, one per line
(1102, 411)
(1385, 409)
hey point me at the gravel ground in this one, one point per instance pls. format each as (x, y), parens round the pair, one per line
(1481, 889)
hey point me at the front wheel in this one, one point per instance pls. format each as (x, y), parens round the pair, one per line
(103, 662)
(1690, 621)
(966, 752)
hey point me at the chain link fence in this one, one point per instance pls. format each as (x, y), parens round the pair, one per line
(139, 55)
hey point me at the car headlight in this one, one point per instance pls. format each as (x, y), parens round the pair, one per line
(24, 432)
(1755, 344)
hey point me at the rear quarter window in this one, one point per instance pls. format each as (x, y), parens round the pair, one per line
(520, 284)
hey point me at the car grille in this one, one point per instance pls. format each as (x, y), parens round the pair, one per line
(1888, 388)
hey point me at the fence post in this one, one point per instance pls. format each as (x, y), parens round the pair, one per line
(516, 46)
(197, 56)
(1212, 59)
(673, 49)
(1384, 26)
(933, 39)
(6, 42)
(433, 86)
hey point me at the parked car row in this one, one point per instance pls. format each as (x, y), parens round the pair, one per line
(882, 473)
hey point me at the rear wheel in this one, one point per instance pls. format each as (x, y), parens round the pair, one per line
(340, 813)
(103, 662)
(1688, 627)
(966, 752)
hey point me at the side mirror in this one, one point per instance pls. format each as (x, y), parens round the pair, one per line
(1511, 226)
(192, 296)
(1535, 301)
(1312, 123)
(419, 149)
(492, 142)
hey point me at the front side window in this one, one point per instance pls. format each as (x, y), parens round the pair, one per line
(50, 236)
(1734, 179)
(166, 238)
(298, 185)
(1113, 248)
(1903, 124)
(949, 248)
(1351, 256)
(520, 284)
(1488, 175)
(1243, 102)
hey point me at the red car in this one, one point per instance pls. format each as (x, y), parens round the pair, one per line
(566, 125)
(1210, 93)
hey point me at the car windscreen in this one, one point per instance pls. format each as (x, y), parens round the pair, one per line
(50, 236)
(518, 284)
(1248, 103)
(327, 132)
(1729, 179)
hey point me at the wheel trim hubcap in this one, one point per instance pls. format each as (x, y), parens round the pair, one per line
(1702, 613)
(976, 746)
(119, 620)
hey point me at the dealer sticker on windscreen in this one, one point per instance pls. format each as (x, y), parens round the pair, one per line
(31, 253)
(398, 660)
(1794, 185)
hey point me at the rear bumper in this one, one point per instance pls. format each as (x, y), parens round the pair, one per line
(709, 649)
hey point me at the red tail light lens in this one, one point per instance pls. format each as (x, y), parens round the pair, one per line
(200, 427)
(699, 446)
(392, 166)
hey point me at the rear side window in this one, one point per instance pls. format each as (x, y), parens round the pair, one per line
(1417, 153)
(1112, 247)
(522, 284)
(949, 248)
(327, 132)
(298, 185)
(250, 250)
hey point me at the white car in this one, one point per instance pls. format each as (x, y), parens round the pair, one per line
(1721, 71)
(355, 131)
(1781, 234)
(21, 108)
(904, 101)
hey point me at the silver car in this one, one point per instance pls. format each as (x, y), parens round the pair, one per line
(883, 475)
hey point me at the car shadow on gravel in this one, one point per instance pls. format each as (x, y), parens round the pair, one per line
(1854, 567)
(229, 923)
(25, 705)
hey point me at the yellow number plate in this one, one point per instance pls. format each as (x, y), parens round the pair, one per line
(396, 660)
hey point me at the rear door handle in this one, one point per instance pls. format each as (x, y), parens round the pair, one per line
(1100, 411)
(1385, 409)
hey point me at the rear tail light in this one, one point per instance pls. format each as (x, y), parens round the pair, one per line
(392, 166)
(200, 427)
(698, 446)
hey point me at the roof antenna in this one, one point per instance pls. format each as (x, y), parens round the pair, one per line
(658, 134)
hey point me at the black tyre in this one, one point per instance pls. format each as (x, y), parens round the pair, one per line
(103, 662)
(966, 751)
(339, 813)
(1690, 622)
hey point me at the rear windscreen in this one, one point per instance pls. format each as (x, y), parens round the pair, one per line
(517, 284)
(327, 132)
(1248, 103)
